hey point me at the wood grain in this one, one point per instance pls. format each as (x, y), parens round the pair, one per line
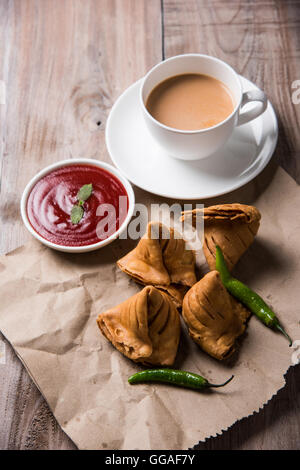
(64, 63)
(275, 427)
(261, 40)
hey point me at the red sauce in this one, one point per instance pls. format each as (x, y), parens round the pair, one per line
(51, 200)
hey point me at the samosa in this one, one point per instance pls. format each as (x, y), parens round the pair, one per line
(145, 328)
(214, 318)
(161, 259)
(231, 226)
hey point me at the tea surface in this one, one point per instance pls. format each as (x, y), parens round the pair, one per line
(190, 102)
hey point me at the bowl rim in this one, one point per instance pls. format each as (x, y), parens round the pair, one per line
(68, 162)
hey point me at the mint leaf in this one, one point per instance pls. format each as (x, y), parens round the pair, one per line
(84, 192)
(76, 214)
(77, 211)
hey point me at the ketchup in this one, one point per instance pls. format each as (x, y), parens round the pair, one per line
(51, 200)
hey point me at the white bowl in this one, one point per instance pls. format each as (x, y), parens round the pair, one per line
(69, 162)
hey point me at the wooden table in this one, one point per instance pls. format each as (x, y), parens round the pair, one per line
(63, 63)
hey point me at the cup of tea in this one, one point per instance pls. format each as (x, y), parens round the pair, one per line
(192, 102)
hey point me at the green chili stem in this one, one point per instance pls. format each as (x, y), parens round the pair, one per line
(279, 328)
(221, 385)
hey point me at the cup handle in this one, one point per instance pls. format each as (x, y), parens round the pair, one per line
(249, 97)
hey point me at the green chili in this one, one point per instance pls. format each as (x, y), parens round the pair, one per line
(249, 298)
(175, 377)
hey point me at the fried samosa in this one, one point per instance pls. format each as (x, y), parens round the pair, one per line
(161, 259)
(231, 226)
(145, 328)
(214, 318)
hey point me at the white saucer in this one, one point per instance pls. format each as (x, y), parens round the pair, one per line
(144, 163)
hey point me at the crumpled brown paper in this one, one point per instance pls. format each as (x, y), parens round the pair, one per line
(48, 309)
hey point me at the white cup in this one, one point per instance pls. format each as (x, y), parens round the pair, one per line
(197, 144)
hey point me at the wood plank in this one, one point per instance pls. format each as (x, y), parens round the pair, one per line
(63, 63)
(276, 427)
(261, 40)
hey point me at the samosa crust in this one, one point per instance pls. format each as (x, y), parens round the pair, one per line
(160, 259)
(214, 318)
(231, 226)
(145, 328)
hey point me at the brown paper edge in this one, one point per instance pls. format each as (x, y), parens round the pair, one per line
(254, 412)
(37, 386)
(218, 432)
